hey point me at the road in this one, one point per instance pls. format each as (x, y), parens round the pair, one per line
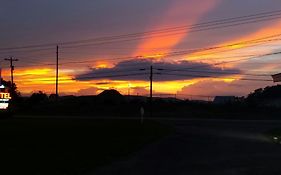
(213, 147)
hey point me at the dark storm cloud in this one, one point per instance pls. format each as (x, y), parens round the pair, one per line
(163, 71)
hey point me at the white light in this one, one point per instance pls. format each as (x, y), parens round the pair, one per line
(4, 105)
(4, 99)
(2, 86)
(275, 138)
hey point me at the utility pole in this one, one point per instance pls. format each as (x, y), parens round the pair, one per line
(0, 76)
(57, 72)
(150, 98)
(129, 86)
(151, 88)
(11, 60)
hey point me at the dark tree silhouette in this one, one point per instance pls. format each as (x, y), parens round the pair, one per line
(38, 97)
(52, 97)
(268, 93)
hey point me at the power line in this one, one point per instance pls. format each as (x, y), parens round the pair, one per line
(209, 76)
(254, 41)
(99, 75)
(4, 51)
(229, 50)
(233, 61)
(190, 68)
(208, 72)
(215, 72)
(183, 52)
(164, 34)
(178, 53)
(198, 66)
(87, 77)
(277, 12)
(170, 34)
(108, 76)
(104, 72)
(259, 17)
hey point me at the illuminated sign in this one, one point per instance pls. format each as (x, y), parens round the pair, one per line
(4, 105)
(4, 100)
(5, 95)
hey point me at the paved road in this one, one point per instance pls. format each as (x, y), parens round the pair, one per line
(206, 147)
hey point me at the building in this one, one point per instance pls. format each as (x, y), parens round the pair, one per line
(224, 99)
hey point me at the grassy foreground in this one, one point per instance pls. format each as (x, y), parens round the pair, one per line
(70, 146)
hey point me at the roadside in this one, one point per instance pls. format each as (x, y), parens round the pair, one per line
(217, 147)
(70, 146)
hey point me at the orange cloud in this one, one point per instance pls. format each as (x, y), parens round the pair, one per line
(216, 87)
(173, 17)
(232, 51)
(34, 79)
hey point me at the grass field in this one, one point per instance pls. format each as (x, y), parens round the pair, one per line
(70, 146)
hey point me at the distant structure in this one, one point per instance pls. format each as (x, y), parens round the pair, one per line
(168, 99)
(224, 100)
(110, 96)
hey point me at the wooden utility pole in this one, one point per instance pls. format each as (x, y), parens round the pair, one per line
(0, 76)
(150, 98)
(151, 87)
(11, 60)
(57, 71)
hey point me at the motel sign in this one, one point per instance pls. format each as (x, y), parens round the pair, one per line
(5, 98)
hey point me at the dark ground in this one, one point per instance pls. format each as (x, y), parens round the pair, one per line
(64, 146)
(217, 147)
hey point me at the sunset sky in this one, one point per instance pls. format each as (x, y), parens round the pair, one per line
(204, 48)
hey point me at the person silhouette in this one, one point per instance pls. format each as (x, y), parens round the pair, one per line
(142, 113)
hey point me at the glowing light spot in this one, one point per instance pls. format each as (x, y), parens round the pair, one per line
(228, 80)
(102, 64)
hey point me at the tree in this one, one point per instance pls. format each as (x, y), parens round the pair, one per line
(268, 93)
(38, 97)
